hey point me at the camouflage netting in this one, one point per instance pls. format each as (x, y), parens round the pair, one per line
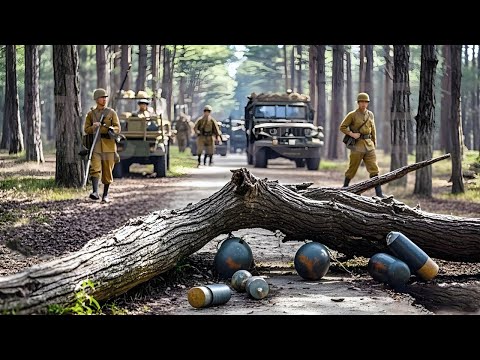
(294, 96)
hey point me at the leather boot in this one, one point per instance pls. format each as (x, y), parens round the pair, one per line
(205, 159)
(346, 182)
(211, 161)
(105, 198)
(94, 194)
(378, 188)
(199, 159)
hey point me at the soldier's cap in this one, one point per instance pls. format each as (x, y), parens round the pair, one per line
(143, 101)
(363, 97)
(207, 108)
(98, 93)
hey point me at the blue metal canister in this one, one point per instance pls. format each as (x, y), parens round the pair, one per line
(239, 280)
(257, 287)
(312, 261)
(209, 295)
(388, 269)
(416, 259)
(234, 254)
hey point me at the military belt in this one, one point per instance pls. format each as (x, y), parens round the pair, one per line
(368, 136)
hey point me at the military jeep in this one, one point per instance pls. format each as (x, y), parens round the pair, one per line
(146, 139)
(281, 125)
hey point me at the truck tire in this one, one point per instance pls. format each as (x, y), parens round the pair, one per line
(160, 165)
(300, 163)
(313, 163)
(260, 158)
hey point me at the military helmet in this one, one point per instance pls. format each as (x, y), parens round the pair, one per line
(144, 101)
(363, 97)
(98, 93)
(207, 107)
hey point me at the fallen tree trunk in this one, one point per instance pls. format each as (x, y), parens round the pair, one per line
(150, 245)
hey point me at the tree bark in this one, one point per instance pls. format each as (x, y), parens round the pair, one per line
(337, 116)
(361, 81)
(101, 57)
(125, 61)
(400, 109)
(445, 138)
(300, 60)
(426, 120)
(142, 68)
(349, 95)
(150, 245)
(292, 68)
(476, 124)
(465, 118)
(116, 72)
(285, 66)
(321, 82)
(387, 96)
(155, 80)
(369, 88)
(312, 58)
(33, 119)
(473, 99)
(69, 166)
(12, 136)
(455, 123)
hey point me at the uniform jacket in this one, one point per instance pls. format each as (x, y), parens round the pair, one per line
(353, 121)
(207, 125)
(104, 144)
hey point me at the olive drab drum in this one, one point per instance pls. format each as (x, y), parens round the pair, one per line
(388, 269)
(209, 295)
(312, 261)
(234, 254)
(239, 280)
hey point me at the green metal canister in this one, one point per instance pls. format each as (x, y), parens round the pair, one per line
(388, 269)
(209, 295)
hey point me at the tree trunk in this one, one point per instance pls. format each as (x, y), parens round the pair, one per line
(312, 57)
(387, 98)
(473, 99)
(465, 118)
(85, 94)
(116, 72)
(456, 62)
(69, 166)
(285, 66)
(445, 138)
(292, 68)
(426, 120)
(337, 102)
(349, 95)
(299, 54)
(369, 76)
(150, 245)
(33, 119)
(125, 61)
(400, 109)
(101, 57)
(321, 83)
(476, 124)
(12, 136)
(155, 80)
(142, 68)
(361, 82)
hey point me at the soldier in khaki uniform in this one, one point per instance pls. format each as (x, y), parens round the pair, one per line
(207, 130)
(143, 108)
(184, 131)
(103, 156)
(366, 140)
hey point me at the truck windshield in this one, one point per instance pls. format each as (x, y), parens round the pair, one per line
(280, 112)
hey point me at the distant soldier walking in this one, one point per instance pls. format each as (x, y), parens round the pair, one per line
(184, 131)
(207, 130)
(105, 149)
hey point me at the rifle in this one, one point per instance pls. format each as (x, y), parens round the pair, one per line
(87, 168)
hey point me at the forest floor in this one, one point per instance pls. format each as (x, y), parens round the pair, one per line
(39, 224)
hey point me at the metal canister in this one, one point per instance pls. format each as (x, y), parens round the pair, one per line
(416, 259)
(388, 269)
(234, 254)
(239, 280)
(312, 261)
(256, 287)
(209, 295)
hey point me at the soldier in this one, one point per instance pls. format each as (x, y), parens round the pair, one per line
(207, 131)
(105, 149)
(143, 108)
(360, 124)
(184, 131)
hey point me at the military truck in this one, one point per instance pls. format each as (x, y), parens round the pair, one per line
(281, 125)
(146, 139)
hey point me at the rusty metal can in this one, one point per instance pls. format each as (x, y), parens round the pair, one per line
(234, 254)
(239, 280)
(312, 261)
(388, 269)
(209, 295)
(416, 259)
(256, 287)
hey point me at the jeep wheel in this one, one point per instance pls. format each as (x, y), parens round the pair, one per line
(160, 165)
(300, 163)
(261, 158)
(313, 163)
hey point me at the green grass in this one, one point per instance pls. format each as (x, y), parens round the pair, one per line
(39, 188)
(179, 162)
(333, 165)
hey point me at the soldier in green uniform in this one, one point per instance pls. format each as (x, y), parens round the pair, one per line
(360, 124)
(103, 156)
(207, 130)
